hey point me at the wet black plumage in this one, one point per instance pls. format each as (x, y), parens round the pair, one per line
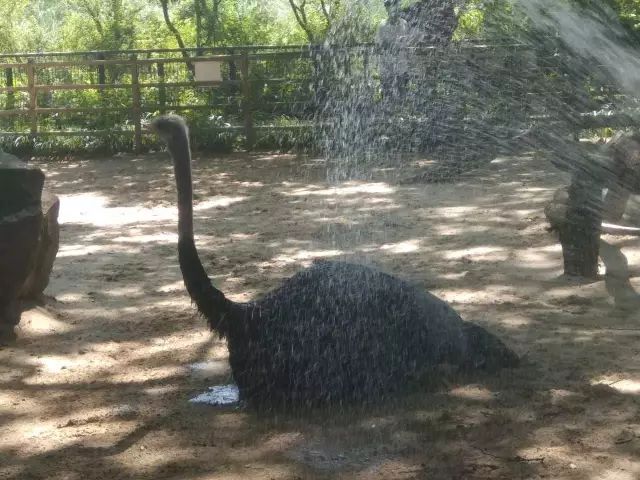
(335, 332)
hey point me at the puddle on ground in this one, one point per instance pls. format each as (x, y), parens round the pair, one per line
(218, 395)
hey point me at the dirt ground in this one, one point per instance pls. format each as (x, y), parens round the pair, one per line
(97, 386)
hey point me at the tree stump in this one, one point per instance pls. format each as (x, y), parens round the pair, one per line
(576, 214)
(20, 224)
(580, 237)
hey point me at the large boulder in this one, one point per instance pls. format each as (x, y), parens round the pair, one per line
(29, 236)
(624, 151)
(20, 223)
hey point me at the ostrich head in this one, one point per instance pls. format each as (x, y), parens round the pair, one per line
(170, 128)
(173, 130)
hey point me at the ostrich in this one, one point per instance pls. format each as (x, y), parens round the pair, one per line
(333, 333)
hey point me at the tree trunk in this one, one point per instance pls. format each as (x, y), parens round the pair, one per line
(580, 234)
(198, 14)
(172, 28)
(436, 19)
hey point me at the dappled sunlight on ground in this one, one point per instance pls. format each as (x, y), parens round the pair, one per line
(621, 385)
(98, 384)
(94, 209)
(300, 257)
(346, 189)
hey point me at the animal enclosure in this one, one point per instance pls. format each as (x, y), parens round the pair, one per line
(434, 164)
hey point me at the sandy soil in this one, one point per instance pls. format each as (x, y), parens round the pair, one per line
(98, 385)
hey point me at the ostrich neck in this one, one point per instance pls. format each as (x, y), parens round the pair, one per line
(211, 302)
(181, 154)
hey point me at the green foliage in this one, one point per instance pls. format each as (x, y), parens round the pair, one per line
(72, 25)
(471, 21)
(37, 17)
(79, 25)
(254, 23)
(629, 12)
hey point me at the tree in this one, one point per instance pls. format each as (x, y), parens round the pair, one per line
(40, 18)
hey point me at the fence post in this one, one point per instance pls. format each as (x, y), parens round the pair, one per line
(162, 90)
(11, 96)
(136, 108)
(102, 80)
(247, 104)
(33, 98)
(102, 74)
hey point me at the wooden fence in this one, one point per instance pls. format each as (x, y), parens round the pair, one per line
(32, 82)
(252, 88)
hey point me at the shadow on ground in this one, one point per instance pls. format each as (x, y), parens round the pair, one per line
(99, 382)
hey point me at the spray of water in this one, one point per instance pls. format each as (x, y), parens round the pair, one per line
(414, 92)
(593, 34)
(604, 64)
(418, 93)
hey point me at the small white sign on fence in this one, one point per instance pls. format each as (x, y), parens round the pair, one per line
(208, 71)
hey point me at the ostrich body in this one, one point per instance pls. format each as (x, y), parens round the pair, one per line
(335, 332)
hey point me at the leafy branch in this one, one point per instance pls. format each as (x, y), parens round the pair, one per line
(301, 16)
(176, 33)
